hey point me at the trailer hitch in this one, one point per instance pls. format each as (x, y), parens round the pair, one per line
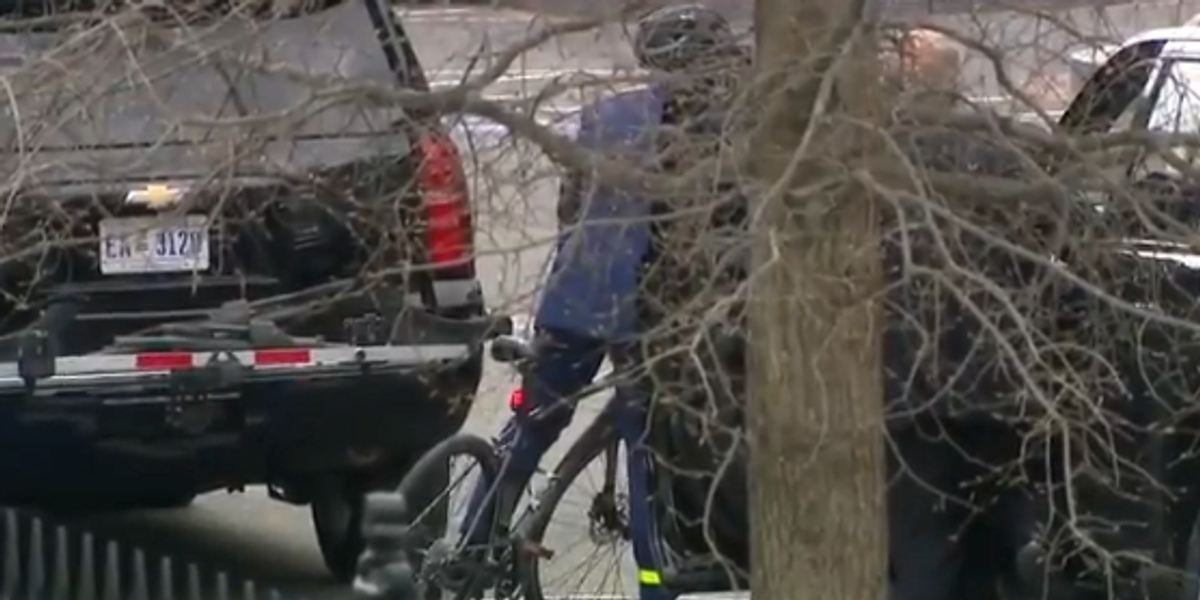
(190, 408)
(223, 370)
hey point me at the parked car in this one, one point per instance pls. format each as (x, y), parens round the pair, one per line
(212, 277)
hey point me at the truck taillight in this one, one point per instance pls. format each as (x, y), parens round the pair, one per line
(443, 187)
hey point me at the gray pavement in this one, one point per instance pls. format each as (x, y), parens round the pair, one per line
(514, 189)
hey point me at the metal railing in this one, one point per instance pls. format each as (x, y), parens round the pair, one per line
(45, 561)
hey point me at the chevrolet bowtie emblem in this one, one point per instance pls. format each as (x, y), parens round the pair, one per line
(155, 196)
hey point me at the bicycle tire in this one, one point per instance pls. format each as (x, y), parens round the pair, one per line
(415, 482)
(591, 444)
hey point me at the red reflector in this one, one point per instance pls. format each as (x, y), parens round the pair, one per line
(516, 401)
(282, 357)
(164, 360)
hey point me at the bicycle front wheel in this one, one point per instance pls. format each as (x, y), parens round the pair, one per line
(437, 492)
(576, 538)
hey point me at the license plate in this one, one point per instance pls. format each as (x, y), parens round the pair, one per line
(153, 245)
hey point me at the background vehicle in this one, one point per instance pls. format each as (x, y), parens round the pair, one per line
(212, 280)
(1136, 244)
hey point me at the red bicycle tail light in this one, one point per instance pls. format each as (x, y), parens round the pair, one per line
(448, 229)
(516, 400)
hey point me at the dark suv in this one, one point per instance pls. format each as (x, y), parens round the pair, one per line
(227, 259)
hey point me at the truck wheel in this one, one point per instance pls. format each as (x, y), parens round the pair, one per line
(337, 513)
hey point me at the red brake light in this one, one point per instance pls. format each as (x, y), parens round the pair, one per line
(448, 234)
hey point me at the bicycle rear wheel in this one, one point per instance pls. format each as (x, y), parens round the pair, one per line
(437, 491)
(604, 524)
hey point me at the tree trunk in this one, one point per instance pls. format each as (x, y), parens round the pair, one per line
(818, 527)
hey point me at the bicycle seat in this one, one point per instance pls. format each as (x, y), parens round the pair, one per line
(512, 348)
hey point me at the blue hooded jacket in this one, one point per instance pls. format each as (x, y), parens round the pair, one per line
(592, 286)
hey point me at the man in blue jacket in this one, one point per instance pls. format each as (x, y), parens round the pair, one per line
(588, 307)
(588, 303)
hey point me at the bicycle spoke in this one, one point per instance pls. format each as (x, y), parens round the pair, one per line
(456, 484)
(439, 494)
(593, 555)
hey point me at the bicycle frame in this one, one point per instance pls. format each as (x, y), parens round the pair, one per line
(623, 420)
(628, 419)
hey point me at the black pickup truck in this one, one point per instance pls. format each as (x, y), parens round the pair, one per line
(217, 270)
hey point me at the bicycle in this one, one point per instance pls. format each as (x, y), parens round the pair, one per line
(507, 557)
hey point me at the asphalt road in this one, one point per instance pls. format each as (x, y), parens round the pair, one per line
(251, 535)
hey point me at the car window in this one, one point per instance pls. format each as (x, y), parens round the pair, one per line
(1175, 109)
(1176, 105)
(1112, 94)
(1137, 112)
(1117, 98)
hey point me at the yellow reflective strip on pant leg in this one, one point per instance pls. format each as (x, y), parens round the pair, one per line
(649, 577)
